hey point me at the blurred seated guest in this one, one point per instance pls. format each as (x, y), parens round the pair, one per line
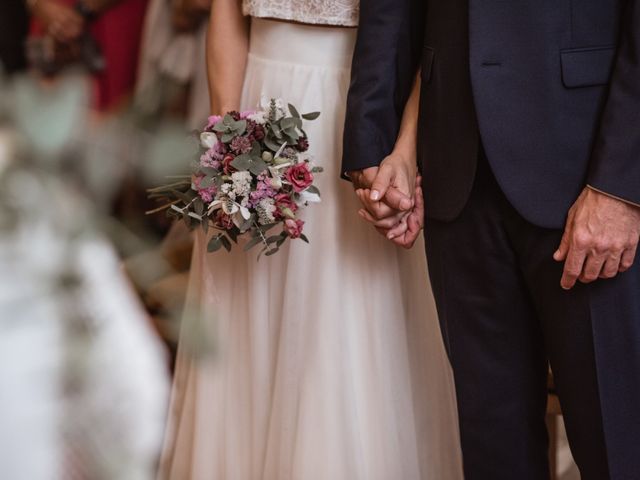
(102, 35)
(173, 45)
(13, 32)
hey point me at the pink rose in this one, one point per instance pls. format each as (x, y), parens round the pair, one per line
(223, 221)
(293, 227)
(299, 176)
(226, 164)
(283, 201)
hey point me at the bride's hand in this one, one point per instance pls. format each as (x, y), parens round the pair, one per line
(404, 228)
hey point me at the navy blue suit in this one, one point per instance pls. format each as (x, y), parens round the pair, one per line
(523, 104)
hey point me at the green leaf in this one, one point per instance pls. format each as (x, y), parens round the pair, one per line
(210, 171)
(273, 251)
(273, 239)
(287, 123)
(255, 241)
(215, 244)
(311, 116)
(313, 189)
(294, 111)
(242, 162)
(198, 206)
(240, 127)
(304, 238)
(233, 235)
(227, 137)
(271, 144)
(256, 151)
(226, 243)
(257, 167)
(206, 182)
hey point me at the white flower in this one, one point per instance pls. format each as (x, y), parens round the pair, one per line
(226, 191)
(282, 110)
(266, 208)
(276, 180)
(308, 197)
(258, 117)
(208, 140)
(241, 183)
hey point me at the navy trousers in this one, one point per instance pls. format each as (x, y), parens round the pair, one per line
(504, 316)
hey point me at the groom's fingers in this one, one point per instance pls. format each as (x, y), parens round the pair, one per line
(573, 267)
(398, 200)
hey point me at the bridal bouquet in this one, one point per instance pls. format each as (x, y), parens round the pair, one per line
(254, 174)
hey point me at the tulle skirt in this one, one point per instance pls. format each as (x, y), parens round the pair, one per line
(329, 362)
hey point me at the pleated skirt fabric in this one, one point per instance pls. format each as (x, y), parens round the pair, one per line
(329, 363)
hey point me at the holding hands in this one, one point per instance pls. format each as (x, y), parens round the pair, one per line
(391, 194)
(392, 199)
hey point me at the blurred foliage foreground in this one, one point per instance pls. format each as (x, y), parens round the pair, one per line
(83, 382)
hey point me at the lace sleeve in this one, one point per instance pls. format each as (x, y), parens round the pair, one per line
(321, 12)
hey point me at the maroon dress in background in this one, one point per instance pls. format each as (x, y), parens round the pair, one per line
(118, 32)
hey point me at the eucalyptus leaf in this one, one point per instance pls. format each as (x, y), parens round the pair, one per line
(294, 111)
(311, 116)
(215, 244)
(252, 243)
(226, 243)
(227, 137)
(257, 167)
(242, 162)
(206, 182)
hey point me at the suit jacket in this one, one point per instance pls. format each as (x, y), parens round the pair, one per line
(549, 88)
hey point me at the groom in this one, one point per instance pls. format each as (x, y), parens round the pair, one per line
(529, 144)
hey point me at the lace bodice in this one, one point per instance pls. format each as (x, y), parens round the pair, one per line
(321, 12)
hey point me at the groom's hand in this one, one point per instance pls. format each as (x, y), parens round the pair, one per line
(600, 239)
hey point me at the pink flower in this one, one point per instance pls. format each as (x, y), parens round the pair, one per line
(241, 145)
(223, 221)
(283, 201)
(299, 176)
(226, 164)
(293, 227)
(247, 114)
(206, 194)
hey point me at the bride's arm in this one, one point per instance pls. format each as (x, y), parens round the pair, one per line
(407, 142)
(400, 170)
(227, 49)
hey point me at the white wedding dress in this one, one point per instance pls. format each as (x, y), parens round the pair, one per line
(329, 361)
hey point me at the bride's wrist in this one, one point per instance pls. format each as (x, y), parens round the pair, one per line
(407, 154)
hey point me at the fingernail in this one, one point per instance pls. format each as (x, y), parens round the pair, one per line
(375, 195)
(391, 236)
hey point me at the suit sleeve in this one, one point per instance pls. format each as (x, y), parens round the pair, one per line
(384, 65)
(615, 163)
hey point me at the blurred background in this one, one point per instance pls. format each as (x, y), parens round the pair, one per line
(98, 100)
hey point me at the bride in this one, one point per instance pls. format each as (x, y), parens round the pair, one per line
(330, 364)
